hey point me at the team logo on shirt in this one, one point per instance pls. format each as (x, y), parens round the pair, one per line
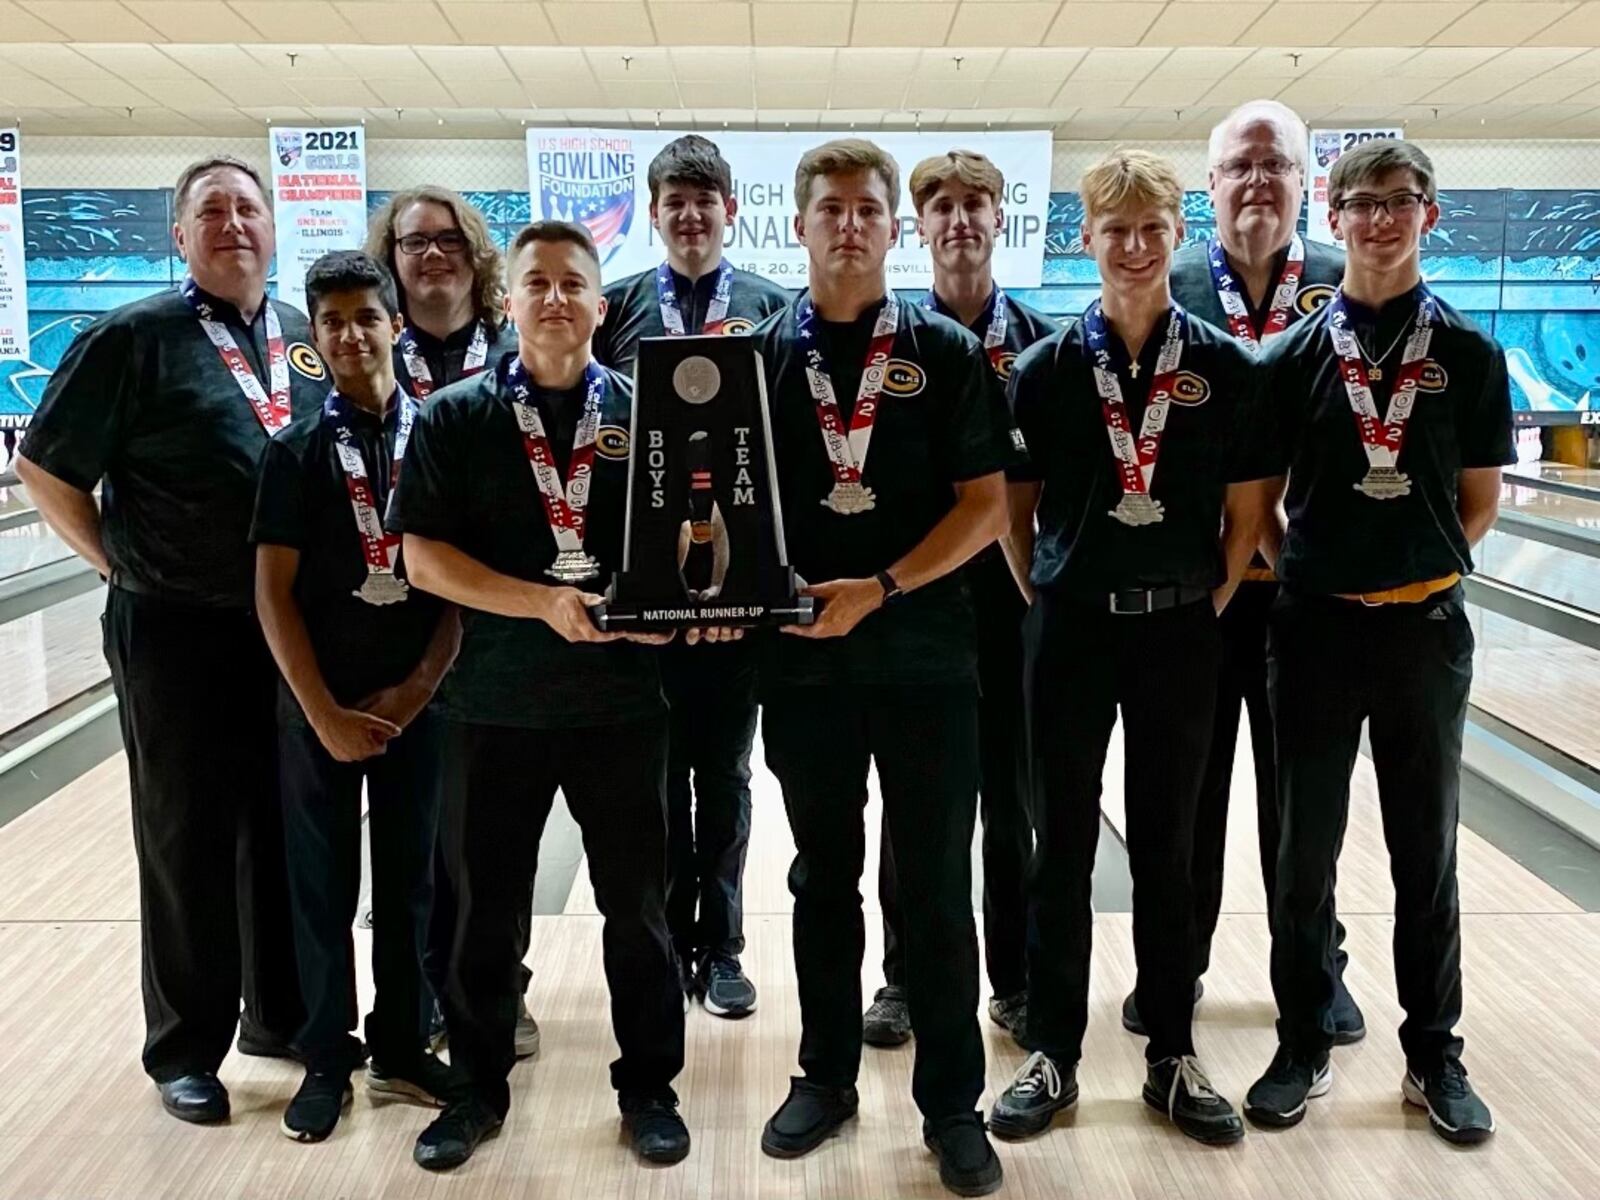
(734, 326)
(306, 360)
(611, 441)
(902, 378)
(1312, 297)
(1189, 388)
(1433, 377)
(1003, 365)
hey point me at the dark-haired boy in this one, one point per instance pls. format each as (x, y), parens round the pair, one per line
(360, 654)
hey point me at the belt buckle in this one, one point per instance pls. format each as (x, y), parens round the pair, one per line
(1117, 610)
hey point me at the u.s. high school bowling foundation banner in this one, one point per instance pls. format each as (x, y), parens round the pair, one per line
(1326, 147)
(13, 279)
(319, 198)
(598, 176)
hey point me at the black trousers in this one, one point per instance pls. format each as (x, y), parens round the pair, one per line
(820, 742)
(1083, 664)
(500, 784)
(322, 830)
(1003, 791)
(711, 690)
(1405, 669)
(441, 933)
(196, 690)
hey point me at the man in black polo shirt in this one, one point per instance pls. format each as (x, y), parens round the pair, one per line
(168, 401)
(1255, 278)
(1396, 419)
(511, 505)
(1140, 544)
(451, 283)
(710, 689)
(893, 435)
(360, 654)
(958, 196)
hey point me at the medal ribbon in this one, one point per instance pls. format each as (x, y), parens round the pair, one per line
(847, 452)
(417, 365)
(1382, 439)
(716, 312)
(272, 411)
(1136, 458)
(994, 337)
(566, 508)
(1238, 310)
(379, 547)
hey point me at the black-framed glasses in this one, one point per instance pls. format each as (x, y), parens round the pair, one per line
(1399, 206)
(1273, 167)
(450, 241)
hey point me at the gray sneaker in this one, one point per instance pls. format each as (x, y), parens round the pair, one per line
(527, 1037)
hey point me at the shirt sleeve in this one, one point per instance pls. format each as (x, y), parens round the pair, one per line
(978, 438)
(280, 513)
(84, 418)
(1485, 432)
(1030, 378)
(1256, 448)
(427, 500)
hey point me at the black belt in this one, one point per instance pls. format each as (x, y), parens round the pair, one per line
(1140, 601)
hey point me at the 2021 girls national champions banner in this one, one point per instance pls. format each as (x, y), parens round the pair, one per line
(319, 192)
(598, 177)
(13, 276)
(1326, 147)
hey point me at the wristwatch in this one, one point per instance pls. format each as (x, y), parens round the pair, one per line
(891, 589)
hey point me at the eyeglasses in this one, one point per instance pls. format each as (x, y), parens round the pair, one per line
(1365, 208)
(1272, 167)
(451, 241)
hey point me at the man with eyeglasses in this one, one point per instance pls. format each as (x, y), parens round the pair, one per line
(1255, 277)
(1395, 415)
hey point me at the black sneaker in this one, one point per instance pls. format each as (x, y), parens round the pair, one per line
(968, 1165)
(1278, 1099)
(1454, 1109)
(887, 1021)
(1039, 1090)
(1179, 1088)
(1010, 1013)
(810, 1115)
(426, 1080)
(1130, 1010)
(526, 1038)
(655, 1128)
(454, 1134)
(1349, 1026)
(317, 1106)
(724, 990)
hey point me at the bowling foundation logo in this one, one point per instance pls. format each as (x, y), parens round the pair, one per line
(589, 180)
(289, 143)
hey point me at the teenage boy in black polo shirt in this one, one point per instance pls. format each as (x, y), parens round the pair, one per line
(710, 689)
(361, 655)
(511, 506)
(958, 197)
(1396, 419)
(893, 435)
(1254, 278)
(1140, 543)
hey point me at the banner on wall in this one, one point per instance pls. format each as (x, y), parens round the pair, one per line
(1326, 147)
(13, 276)
(319, 196)
(598, 177)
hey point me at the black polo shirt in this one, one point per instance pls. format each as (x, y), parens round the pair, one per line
(941, 421)
(1224, 437)
(633, 311)
(143, 403)
(446, 358)
(303, 501)
(466, 481)
(1338, 539)
(1193, 288)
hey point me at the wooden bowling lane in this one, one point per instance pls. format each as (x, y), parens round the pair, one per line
(49, 656)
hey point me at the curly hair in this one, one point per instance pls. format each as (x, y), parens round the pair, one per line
(488, 271)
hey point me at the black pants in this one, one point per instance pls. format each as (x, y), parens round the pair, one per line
(713, 721)
(1083, 664)
(1003, 792)
(196, 690)
(322, 830)
(1405, 669)
(441, 933)
(501, 783)
(819, 743)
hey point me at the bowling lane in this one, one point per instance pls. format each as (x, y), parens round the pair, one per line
(48, 657)
(27, 547)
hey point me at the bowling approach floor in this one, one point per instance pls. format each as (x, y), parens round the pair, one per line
(79, 1119)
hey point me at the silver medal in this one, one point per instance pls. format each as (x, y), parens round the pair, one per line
(1138, 508)
(1384, 483)
(847, 499)
(381, 587)
(574, 566)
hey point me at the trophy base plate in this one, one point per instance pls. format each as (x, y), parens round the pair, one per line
(613, 616)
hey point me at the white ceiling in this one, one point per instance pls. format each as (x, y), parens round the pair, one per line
(1089, 69)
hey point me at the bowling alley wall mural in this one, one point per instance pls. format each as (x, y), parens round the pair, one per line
(1525, 264)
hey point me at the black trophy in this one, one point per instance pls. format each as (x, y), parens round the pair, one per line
(704, 539)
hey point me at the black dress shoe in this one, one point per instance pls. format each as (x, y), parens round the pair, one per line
(198, 1098)
(810, 1116)
(1130, 1010)
(968, 1165)
(658, 1132)
(455, 1134)
(887, 1021)
(1040, 1089)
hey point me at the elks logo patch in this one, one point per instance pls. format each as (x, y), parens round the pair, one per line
(734, 326)
(1190, 389)
(611, 441)
(1433, 378)
(306, 360)
(902, 378)
(1312, 297)
(1003, 365)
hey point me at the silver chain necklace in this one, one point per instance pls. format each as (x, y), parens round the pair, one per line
(1375, 364)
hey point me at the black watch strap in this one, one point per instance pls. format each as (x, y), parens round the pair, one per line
(891, 589)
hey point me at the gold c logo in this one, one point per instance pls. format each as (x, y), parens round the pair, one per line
(1433, 377)
(1003, 365)
(1312, 297)
(1190, 389)
(734, 326)
(611, 441)
(902, 378)
(305, 360)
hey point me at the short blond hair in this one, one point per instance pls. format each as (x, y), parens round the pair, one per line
(1131, 177)
(966, 167)
(842, 156)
